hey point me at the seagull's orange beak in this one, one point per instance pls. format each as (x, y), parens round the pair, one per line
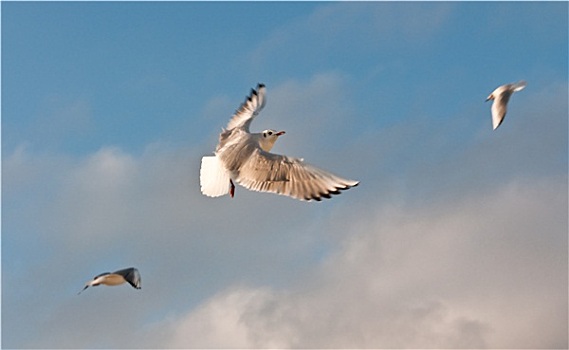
(280, 133)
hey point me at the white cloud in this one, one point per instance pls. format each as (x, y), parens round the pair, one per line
(487, 271)
(104, 178)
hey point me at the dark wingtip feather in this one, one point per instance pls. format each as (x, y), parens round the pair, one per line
(329, 194)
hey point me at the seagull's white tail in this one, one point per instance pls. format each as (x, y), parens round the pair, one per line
(214, 179)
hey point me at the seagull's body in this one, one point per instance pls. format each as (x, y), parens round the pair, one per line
(245, 157)
(130, 275)
(501, 96)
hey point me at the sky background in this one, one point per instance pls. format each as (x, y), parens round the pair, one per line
(455, 238)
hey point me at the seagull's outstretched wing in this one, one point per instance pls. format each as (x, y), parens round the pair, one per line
(520, 85)
(248, 109)
(131, 275)
(101, 274)
(269, 172)
(499, 109)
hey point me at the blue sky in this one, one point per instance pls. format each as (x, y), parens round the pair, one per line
(456, 237)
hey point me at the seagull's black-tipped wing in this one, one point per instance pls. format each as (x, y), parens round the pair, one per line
(101, 274)
(248, 109)
(131, 275)
(269, 172)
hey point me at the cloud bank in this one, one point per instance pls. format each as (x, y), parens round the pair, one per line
(468, 274)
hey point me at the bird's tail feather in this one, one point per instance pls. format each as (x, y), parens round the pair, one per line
(214, 179)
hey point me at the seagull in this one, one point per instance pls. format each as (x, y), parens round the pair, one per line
(245, 158)
(501, 96)
(130, 275)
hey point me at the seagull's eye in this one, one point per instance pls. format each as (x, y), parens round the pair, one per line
(270, 133)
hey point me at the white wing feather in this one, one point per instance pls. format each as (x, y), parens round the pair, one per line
(520, 85)
(269, 172)
(248, 109)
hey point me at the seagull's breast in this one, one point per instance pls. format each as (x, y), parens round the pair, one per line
(267, 144)
(113, 280)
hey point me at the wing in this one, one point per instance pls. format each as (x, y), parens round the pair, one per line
(499, 108)
(101, 274)
(520, 85)
(131, 275)
(268, 172)
(498, 114)
(248, 109)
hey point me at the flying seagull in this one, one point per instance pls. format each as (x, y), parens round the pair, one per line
(245, 158)
(501, 96)
(130, 275)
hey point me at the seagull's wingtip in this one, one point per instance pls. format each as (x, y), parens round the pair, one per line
(349, 184)
(520, 85)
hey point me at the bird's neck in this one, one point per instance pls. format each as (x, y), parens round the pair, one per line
(266, 144)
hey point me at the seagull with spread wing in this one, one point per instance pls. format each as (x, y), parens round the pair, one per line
(501, 96)
(130, 275)
(245, 158)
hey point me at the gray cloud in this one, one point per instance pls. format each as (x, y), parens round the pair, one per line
(482, 272)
